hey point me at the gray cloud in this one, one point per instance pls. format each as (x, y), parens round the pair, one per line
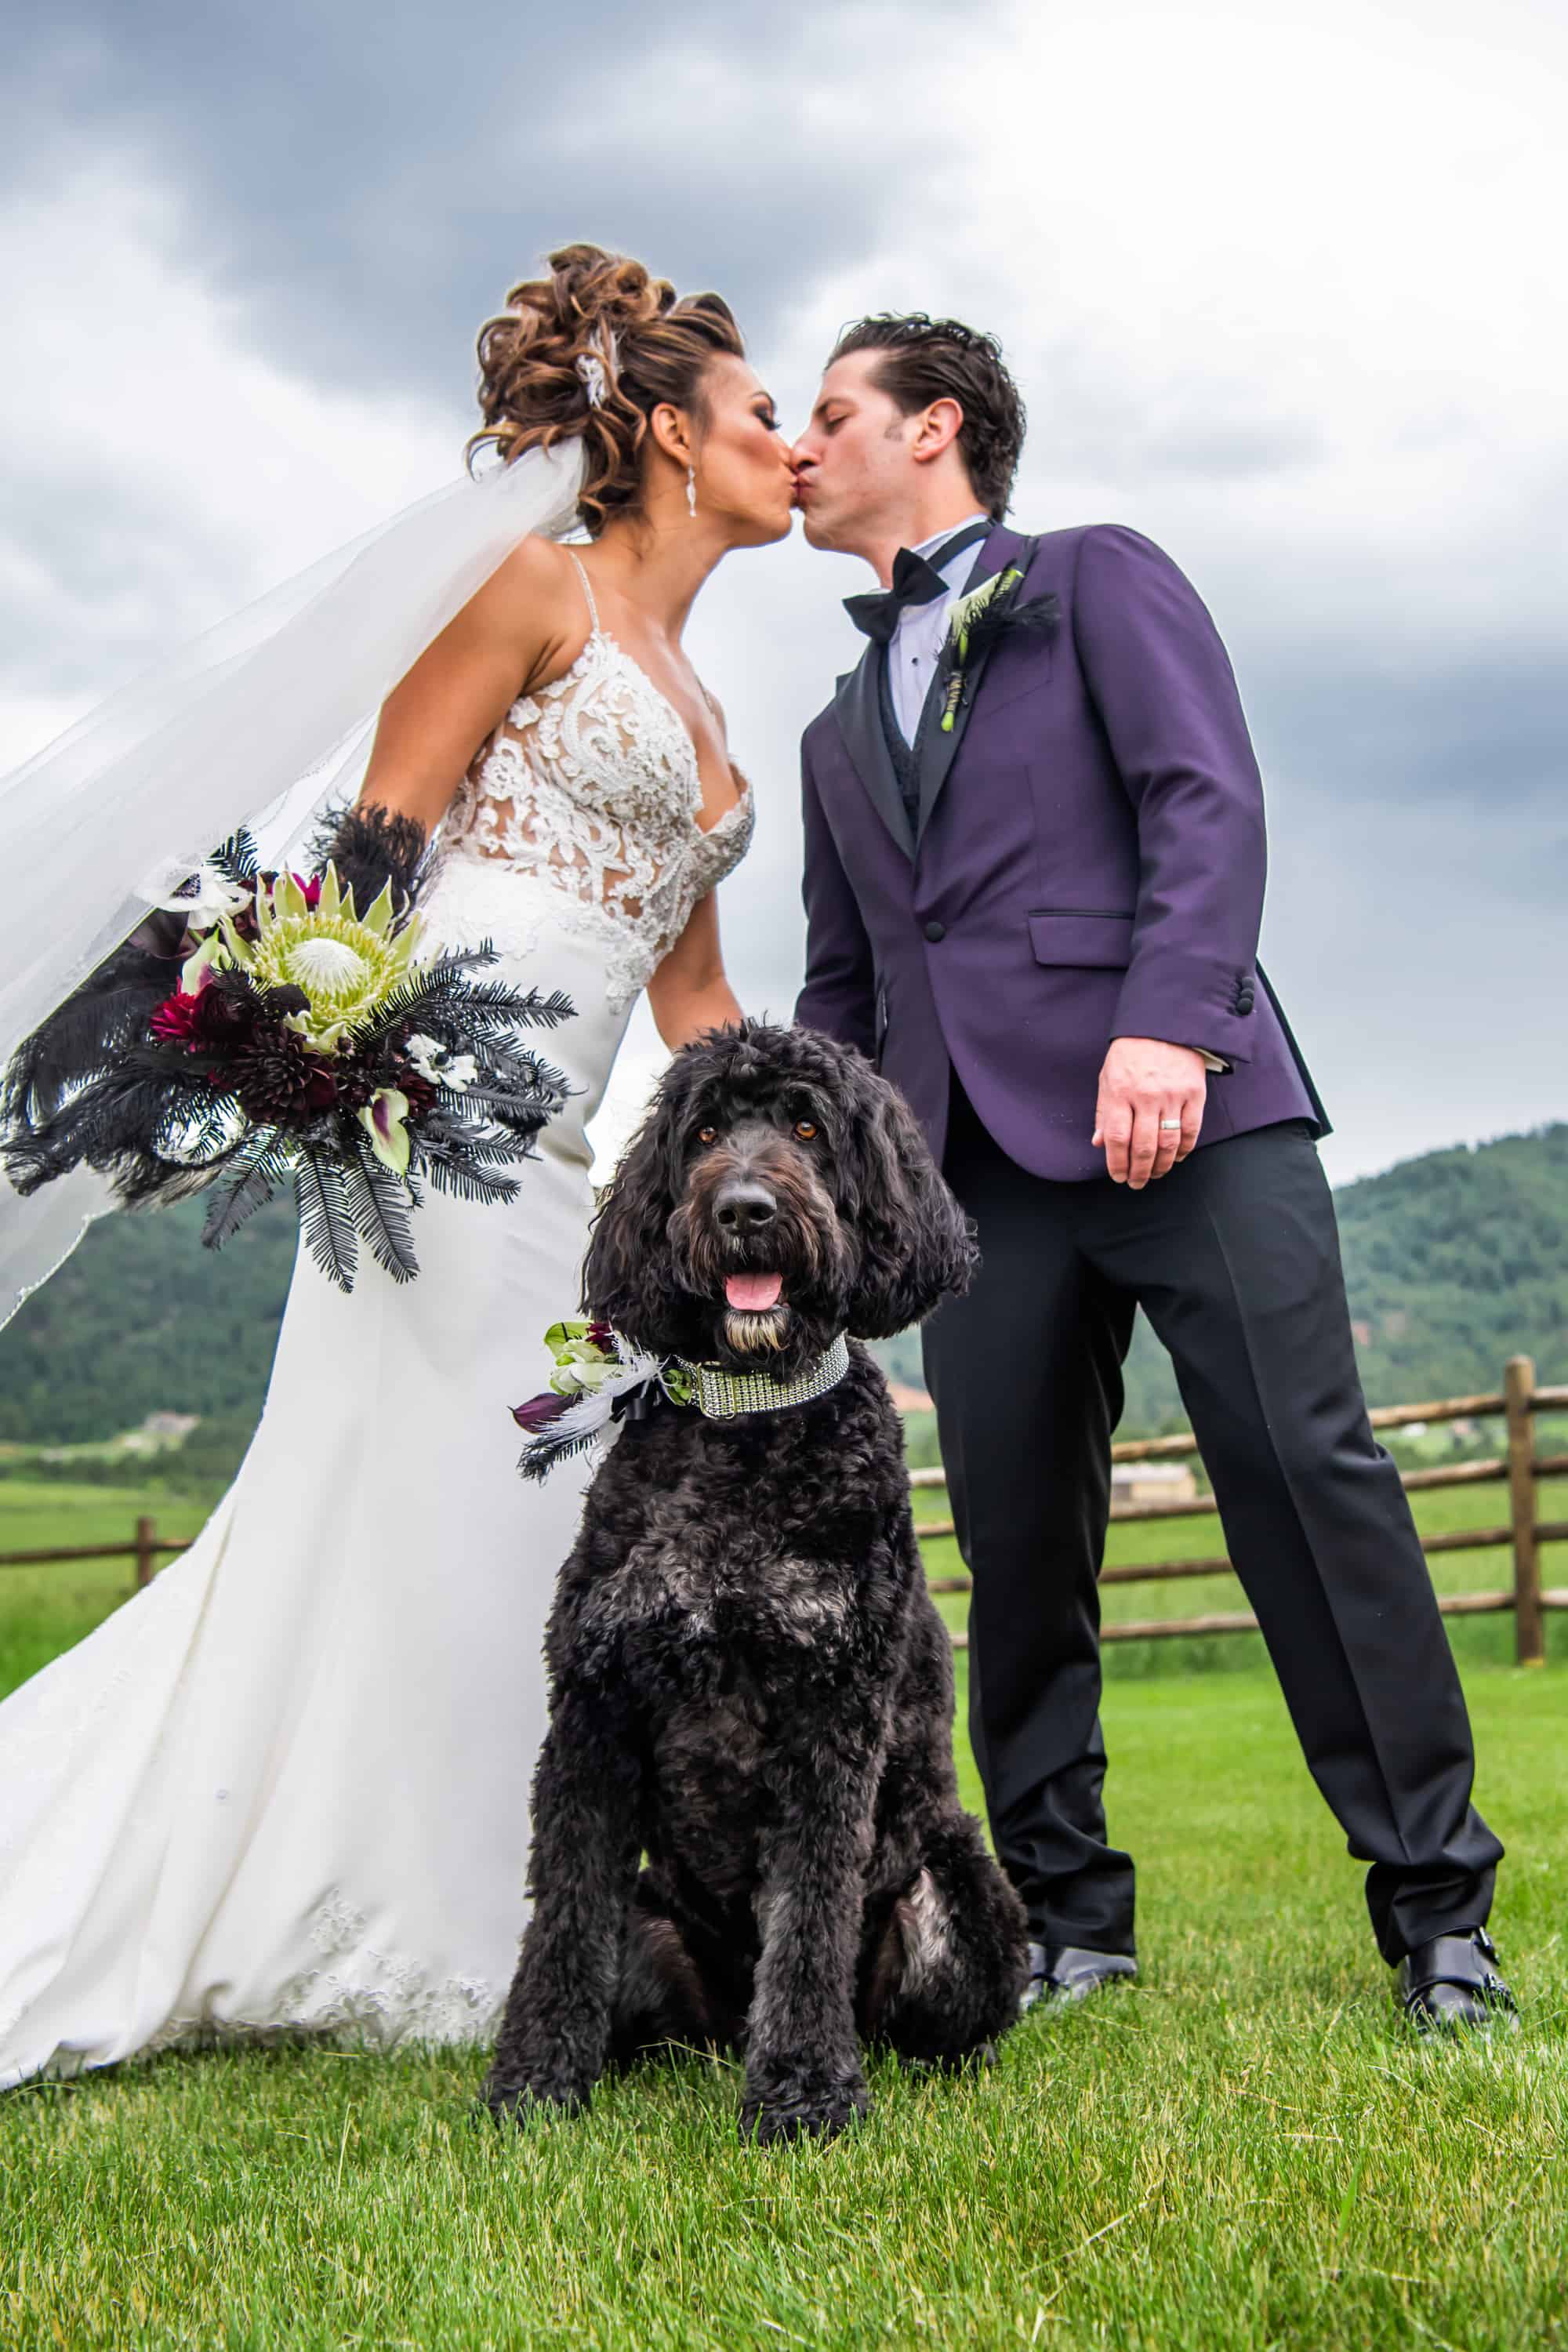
(373, 177)
(365, 182)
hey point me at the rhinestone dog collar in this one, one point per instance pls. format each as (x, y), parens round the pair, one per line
(724, 1395)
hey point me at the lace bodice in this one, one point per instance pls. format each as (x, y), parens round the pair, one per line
(591, 788)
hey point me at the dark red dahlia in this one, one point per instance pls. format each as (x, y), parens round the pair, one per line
(201, 1024)
(277, 1083)
(420, 1094)
(175, 1021)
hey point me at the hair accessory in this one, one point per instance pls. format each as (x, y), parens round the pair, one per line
(590, 369)
(692, 491)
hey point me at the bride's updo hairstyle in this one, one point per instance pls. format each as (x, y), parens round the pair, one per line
(594, 349)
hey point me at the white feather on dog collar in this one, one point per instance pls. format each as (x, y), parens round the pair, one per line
(724, 1395)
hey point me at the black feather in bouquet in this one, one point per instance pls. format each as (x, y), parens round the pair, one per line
(260, 1028)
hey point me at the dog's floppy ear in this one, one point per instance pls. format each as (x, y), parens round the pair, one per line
(627, 1276)
(915, 1240)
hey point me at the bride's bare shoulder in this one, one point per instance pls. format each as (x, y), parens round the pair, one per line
(536, 598)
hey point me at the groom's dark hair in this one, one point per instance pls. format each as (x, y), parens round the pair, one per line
(940, 359)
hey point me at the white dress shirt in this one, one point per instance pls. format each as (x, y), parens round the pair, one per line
(915, 647)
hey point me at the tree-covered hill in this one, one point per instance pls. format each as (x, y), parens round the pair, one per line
(142, 1320)
(1455, 1262)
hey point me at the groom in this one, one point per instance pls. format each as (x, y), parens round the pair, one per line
(1034, 878)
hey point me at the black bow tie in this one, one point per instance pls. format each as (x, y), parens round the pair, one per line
(916, 580)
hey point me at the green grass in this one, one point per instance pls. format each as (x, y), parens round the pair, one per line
(44, 1609)
(1240, 2151)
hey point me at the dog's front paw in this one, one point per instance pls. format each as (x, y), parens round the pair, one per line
(513, 2100)
(800, 2110)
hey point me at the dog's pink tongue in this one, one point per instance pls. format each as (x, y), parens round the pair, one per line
(752, 1294)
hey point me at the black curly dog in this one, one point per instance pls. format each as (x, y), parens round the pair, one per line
(750, 1683)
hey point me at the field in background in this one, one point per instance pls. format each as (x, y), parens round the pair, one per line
(44, 1609)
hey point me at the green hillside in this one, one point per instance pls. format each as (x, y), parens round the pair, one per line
(1455, 1261)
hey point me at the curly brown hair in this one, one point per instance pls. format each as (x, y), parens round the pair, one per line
(941, 359)
(650, 345)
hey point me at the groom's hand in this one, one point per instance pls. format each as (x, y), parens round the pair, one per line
(1142, 1083)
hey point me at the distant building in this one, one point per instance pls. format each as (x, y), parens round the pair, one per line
(158, 1432)
(1152, 1482)
(909, 1400)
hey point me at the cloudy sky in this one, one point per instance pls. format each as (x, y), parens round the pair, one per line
(1282, 283)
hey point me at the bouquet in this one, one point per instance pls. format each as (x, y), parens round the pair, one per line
(259, 1028)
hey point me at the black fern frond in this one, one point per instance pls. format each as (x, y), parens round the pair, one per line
(237, 857)
(461, 1182)
(379, 1204)
(463, 1011)
(481, 1146)
(547, 1012)
(325, 1225)
(268, 1165)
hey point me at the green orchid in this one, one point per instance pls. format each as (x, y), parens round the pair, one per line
(583, 1363)
(384, 1120)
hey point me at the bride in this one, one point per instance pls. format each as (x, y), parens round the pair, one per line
(286, 1787)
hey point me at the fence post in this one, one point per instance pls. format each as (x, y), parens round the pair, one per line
(1528, 1620)
(146, 1551)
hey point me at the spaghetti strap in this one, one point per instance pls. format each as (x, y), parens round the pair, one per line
(593, 608)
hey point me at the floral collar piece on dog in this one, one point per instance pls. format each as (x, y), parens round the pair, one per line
(601, 1377)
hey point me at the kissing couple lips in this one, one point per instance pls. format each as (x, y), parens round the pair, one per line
(754, 1293)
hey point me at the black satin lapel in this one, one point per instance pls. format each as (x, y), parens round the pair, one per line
(939, 750)
(859, 709)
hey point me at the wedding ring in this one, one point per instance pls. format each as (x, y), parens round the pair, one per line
(1171, 1122)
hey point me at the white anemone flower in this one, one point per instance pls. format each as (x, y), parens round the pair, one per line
(214, 897)
(425, 1053)
(436, 1064)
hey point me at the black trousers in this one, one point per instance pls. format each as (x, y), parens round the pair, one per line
(1235, 1258)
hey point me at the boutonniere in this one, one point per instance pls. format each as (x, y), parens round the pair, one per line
(599, 1377)
(975, 624)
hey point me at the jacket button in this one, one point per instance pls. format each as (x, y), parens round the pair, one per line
(935, 931)
(1245, 1001)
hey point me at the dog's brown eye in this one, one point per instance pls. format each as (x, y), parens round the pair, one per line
(707, 1135)
(806, 1131)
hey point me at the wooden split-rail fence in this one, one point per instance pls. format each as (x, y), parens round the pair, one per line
(1520, 1468)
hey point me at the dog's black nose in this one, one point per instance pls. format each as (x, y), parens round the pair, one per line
(742, 1208)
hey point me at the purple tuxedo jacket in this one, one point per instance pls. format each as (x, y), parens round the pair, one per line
(1089, 863)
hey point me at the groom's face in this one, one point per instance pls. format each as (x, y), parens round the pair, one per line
(854, 469)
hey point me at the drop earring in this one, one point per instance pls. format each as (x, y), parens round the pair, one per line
(691, 492)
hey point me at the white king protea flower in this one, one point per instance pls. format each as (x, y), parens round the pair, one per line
(347, 964)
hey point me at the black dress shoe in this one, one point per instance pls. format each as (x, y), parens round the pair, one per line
(1059, 1973)
(1451, 1985)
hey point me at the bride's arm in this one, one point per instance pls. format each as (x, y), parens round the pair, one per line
(689, 993)
(507, 638)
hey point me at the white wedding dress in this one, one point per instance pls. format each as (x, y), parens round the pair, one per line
(286, 1788)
